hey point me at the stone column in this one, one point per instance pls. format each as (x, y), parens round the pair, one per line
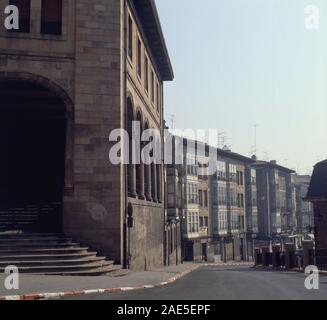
(308, 257)
(276, 257)
(141, 193)
(289, 256)
(148, 193)
(132, 180)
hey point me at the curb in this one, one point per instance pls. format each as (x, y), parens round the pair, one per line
(47, 296)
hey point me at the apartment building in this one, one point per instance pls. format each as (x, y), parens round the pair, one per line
(218, 210)
(304, 209)
(229, 206)
(276, 200)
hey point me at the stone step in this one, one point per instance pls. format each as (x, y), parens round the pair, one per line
(32, 263)
(51, 254)
(17, 235)
(38, 245)
(44, 240)
(63, 269)
(46, 257)
(29, 250)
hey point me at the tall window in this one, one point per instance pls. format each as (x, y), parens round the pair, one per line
(130, 38)
(51, 19)
(158, 97)
(146, 72)
(24, 8)
(139, 58)
(152, 86)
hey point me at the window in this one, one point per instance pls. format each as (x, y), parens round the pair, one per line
(206, 221)
(240, 200)
(146, 72)
(239, 177)
(235, 221)
(158, 97)
(192, 169)
(152, 86)
(139, 58)
(222, 195)
(193, 222)
(200, 198)
(205, 198)
(24, 7)
(192, 193)
(221, 169)
(51, 18)
(130, 38)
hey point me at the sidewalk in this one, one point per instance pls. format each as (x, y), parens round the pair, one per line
(35, 287)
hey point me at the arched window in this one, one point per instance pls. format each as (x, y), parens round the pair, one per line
(139, 166)
(130, 167)
(147, 175)
(154, 180)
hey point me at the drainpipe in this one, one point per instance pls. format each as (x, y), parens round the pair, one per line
(125, 230)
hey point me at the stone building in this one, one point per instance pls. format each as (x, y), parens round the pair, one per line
(317, 194)
(72, 73)
(276, 200)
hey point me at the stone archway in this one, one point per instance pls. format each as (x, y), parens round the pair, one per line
(36, 142)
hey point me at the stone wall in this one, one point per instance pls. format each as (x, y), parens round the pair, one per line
(93, 211)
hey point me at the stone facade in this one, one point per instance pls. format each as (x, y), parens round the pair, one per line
(88, 68)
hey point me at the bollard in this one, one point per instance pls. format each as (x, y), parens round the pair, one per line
(289, 256)
(257, 257)
(308, 256)
(276, 257)
(265, 256)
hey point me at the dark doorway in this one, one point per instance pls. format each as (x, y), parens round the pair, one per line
(204, 252)
(32, 162)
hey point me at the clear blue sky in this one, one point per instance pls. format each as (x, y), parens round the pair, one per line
(243, 62)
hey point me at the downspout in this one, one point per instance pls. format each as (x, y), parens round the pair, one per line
(125, 236)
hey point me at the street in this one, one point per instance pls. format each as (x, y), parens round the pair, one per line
(227, 283)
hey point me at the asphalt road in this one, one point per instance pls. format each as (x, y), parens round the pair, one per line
(228, 283)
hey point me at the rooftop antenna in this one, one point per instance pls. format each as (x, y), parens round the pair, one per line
(221, 136)
(255, 147)
(172, 120)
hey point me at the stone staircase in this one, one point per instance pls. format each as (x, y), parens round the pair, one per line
(52, 254)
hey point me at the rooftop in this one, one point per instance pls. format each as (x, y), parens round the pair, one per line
(148, 15)
(273, 164)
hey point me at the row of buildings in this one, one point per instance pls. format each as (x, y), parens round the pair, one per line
(246, 202)
(73, 72)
